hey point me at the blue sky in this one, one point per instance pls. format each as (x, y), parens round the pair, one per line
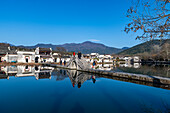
(28, 22)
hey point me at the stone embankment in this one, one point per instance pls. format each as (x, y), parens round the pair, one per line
(131, 76)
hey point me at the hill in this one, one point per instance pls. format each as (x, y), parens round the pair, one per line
(90, 47)
(146, 47)
(85, 47)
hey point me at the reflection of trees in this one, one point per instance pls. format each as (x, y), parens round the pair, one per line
(149, 70)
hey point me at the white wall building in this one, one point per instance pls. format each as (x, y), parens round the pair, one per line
(10, 58)
(94, 55)
(26, 57)
(136, 59)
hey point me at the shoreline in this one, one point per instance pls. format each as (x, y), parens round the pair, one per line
(15, 64)
(139, 77)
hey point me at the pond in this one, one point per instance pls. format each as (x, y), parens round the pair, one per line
(29, 89)
(138, 68)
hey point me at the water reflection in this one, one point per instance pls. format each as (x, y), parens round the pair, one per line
(152, 70)
(60, 93)
(137, 68)
(77, 78)
(38, 72)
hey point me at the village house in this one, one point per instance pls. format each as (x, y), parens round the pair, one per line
(94, 55)
(43, 55)
(56, 57)
(87, 57)
(101, 56)
(65, 58)
(136, 59)
(107, 59)
(4, 49)
(26, 56)
(7, 54)
(98, 58)
(10, 57)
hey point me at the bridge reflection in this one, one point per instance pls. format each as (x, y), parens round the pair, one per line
(77, 78)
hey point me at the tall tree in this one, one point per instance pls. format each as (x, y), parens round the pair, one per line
(149, 17)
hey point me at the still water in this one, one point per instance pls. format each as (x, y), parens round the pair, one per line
(138, 68)
(26, 89)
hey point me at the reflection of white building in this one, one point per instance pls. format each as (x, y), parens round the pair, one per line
(136, 65)
(43, 73)
(107, 67)
(25, 71)
(9, 70)
(127, 64)
(131, 59)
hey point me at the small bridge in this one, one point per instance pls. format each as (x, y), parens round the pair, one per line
(78, 64)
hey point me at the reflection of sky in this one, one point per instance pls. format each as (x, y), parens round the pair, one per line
(28, 95)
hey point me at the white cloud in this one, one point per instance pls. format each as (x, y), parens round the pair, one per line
(94, 40)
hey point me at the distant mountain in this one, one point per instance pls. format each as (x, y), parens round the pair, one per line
(90, 47)
(144, 47)
(125, 48)
(85, 47)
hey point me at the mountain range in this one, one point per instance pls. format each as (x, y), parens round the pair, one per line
(146, 47)
(85, 47)
(91, 47)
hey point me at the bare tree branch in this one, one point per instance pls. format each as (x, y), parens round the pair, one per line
(152, 17)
